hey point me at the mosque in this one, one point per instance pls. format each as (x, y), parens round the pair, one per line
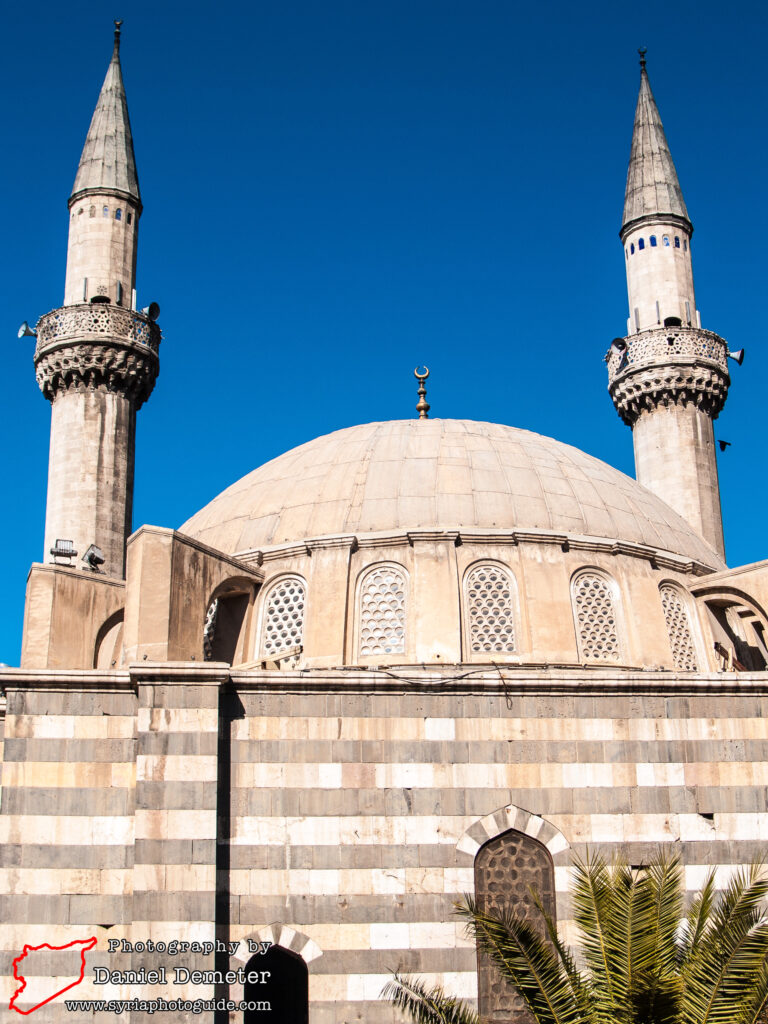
(401, 662)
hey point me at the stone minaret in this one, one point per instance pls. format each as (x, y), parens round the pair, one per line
(668, 378)
(97, 358)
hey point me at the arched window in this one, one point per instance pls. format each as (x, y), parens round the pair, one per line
(105, 211)
(491, 609)
(129, 218)
(382, 611)
(118, 214)
(92, 212)
(285, 987)
(653, 241)
(507, 868)
(641, 243)
(677, 242)
(594, 598)
(632, 248)
(685, 245)
(283, 623)
(679, 628)
(665, 240)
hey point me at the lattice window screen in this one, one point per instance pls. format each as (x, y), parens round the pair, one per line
(382, 611)
(596, 622)
(284, 615)
(679, 629)
(491, 610)
(505, 868)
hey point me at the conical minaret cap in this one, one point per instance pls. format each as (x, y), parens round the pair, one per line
(652, 185)
(108, 161)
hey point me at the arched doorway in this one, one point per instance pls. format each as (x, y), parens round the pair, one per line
(286, 989)
(506, 868)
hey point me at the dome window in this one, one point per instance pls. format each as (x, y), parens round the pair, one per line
(382, 611)
(678, 621)
(595, 599)
(283, 622)
(490, 605)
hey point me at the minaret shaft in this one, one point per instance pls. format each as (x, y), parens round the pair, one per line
(90, 473)
(675, 457)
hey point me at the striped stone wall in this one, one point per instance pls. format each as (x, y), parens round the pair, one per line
(356, 813)
(338, 814)
(67, 821)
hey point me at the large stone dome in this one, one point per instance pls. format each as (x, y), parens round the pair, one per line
(439, 474)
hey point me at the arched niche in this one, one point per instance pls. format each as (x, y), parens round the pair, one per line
(508, 868)
(108, 648)
(283, 985)
(227, 622)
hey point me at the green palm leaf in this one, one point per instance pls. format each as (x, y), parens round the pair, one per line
(427, 1006)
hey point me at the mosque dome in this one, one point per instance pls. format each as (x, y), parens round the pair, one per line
(401, 475)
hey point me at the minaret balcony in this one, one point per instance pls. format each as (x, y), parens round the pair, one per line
(664, 345)
(96, 322)
(97, 346)
(680, 365)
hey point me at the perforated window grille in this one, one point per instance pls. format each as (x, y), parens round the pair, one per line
(284, 615)
(491, 610)
(595, 614)
(679, 629)
(382, 611)
(506, 869)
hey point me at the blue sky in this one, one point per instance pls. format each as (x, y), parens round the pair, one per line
(335, 192)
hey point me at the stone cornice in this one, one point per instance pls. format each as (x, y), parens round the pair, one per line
(567, 541)
(118, 193)
(650, 219)
(97, 347)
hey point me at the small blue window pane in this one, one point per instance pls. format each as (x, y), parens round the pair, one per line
(653, 241)
(641, 243)
(665, 239)
(118, 214)
(632, 248)
(677, 242)
(105, 211)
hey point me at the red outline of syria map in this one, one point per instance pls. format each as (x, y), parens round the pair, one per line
(85, 943)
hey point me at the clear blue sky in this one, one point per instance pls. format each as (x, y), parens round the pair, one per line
(336, 191)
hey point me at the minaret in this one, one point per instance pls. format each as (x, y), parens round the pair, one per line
(97, 357)
(668, 378)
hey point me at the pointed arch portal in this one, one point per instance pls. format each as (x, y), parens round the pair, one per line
(286, 989)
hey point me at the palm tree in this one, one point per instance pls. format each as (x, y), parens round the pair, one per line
(641, 959)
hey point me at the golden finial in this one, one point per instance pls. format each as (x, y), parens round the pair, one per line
(423, 407)
(118, 25)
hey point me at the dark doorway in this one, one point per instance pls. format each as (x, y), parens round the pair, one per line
(286, 989)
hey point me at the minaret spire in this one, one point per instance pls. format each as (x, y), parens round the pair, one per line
(652, 188)
(108, 160)
(668, 378)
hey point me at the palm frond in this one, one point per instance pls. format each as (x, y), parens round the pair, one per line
(427, 1006)
(731, 952)
(525, 958)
